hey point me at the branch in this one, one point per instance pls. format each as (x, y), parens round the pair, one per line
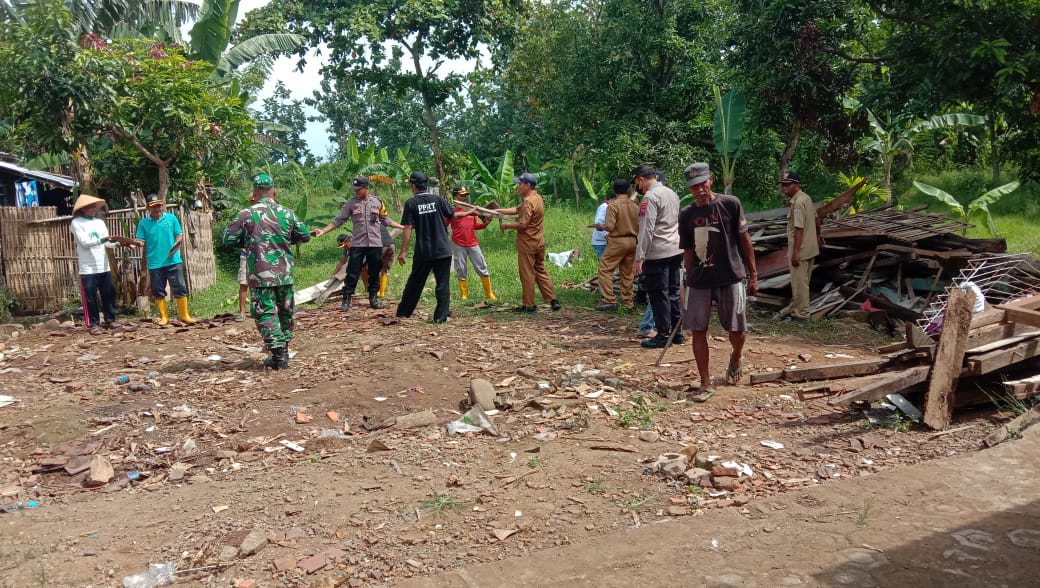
(119, 133)
(854, 59)
(900, 16)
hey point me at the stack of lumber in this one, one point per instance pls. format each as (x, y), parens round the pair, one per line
(899, 260)
(999, 346)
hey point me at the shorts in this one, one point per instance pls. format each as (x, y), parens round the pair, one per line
(243, 272)
(731, 301)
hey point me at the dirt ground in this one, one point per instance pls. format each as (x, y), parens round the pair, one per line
(199, 424)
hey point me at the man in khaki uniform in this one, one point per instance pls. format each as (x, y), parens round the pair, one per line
(622, 226)
(530, 244)
(803, 244)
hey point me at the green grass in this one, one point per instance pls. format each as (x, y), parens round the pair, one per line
(564, 230)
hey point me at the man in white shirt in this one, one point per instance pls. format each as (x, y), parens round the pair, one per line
(92, 238)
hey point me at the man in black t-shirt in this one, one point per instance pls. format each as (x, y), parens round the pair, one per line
(718, 255)
(426, 214)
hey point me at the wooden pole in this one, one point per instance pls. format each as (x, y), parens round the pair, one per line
(948, 359)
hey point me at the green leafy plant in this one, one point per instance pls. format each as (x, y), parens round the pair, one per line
(868, 196)
(440, 503)
(980, 204)
(595, 487)
(534, 461)
(729, 130)
(486, 186)
(634, 503)
(641, 413)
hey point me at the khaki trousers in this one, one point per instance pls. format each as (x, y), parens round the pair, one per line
(532, 271)
(619, 254)
(800, 287)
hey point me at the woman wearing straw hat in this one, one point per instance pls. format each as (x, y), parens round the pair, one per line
(91, 236)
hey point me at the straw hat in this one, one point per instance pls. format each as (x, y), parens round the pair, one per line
(84, 201)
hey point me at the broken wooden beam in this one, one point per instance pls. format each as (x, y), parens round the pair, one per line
(949, 357)
(1025, 387)
(832, 371)
(1022, 316)
(1014, 428)
(882, 385)
(1002, 358)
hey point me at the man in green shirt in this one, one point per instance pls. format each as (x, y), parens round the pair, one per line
(162, 236)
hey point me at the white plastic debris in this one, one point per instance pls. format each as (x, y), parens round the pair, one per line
(772, 444)
(213, 357)
(291, 445)
(743, 468)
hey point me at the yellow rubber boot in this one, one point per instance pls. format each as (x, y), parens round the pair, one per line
(464, 289)
(164, 316)
(486, 280)
(382, 285)
(182, 311)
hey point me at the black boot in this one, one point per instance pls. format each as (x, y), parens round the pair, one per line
(346, 304)
(279, 358)
(375, 302)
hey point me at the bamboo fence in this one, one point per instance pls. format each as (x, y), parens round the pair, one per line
(39, 255)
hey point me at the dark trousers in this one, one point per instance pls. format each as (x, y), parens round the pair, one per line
(174, 274)
(90, 285)
(370, 257)
(413, 288)
(661, 279)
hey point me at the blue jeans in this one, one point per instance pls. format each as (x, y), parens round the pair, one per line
(599, 249)
(90, 286)
(647, 323)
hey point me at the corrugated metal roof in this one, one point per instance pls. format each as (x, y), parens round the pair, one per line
(48, 177)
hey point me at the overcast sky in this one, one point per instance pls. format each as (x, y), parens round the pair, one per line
(301, 85)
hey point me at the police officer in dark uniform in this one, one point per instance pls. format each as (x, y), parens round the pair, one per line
(368, 217)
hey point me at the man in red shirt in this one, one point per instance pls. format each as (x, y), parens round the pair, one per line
(465, 246)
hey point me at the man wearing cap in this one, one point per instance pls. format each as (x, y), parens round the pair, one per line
(719, 255)
(428, 215)
(621, 223)
(465, 246)
(804, 240)
(530, 244)
(658, 255)
(368, 217)
(268, 230)
(95, 278)
(162, 236)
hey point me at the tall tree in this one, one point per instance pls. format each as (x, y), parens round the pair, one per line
(404, 45)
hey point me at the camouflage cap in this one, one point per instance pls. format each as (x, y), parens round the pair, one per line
(262, 181)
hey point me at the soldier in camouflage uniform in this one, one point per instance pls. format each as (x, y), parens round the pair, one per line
(266, 230)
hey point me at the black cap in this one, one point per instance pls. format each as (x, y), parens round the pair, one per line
(621, 186)
(342, 238)
(791, 178)
(643, 170)
(418, 179)
(153, 200)
(460, 190)
(359, 182)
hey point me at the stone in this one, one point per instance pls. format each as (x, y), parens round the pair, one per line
(244, 583)
(722, 471)
(702, 461)
(727, 483)
(321, 559)
(699, 476)
(677, 511)
(177, 472)
(649, 436)
(253, 543)
(101, 472)
(228, 553)
(806, 357)
(672, 465)
(482, 393)
(284, 564)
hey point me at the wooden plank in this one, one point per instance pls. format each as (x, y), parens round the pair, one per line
(1026, 386)
(1021, 316)
(1013, 428)
(1002, 343)
(993, 333)
(1002, 358)
(949, 358)
(894, 347)
(764, 377)
(838, 370)
(883, 385)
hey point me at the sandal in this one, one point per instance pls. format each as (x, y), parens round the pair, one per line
(733, 375)
(702, 395)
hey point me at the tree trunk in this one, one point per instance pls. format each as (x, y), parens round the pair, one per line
(994, 148)
(83, 171)
(164, 180)
(792, 144)
(429, 120)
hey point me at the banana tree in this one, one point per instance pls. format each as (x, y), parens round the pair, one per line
(729, 131)
(980, 204)
(894, 136)
(486, 186)
(211, 39)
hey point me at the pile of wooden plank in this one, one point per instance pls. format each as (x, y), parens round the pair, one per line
(899, 260)
(975, 352)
